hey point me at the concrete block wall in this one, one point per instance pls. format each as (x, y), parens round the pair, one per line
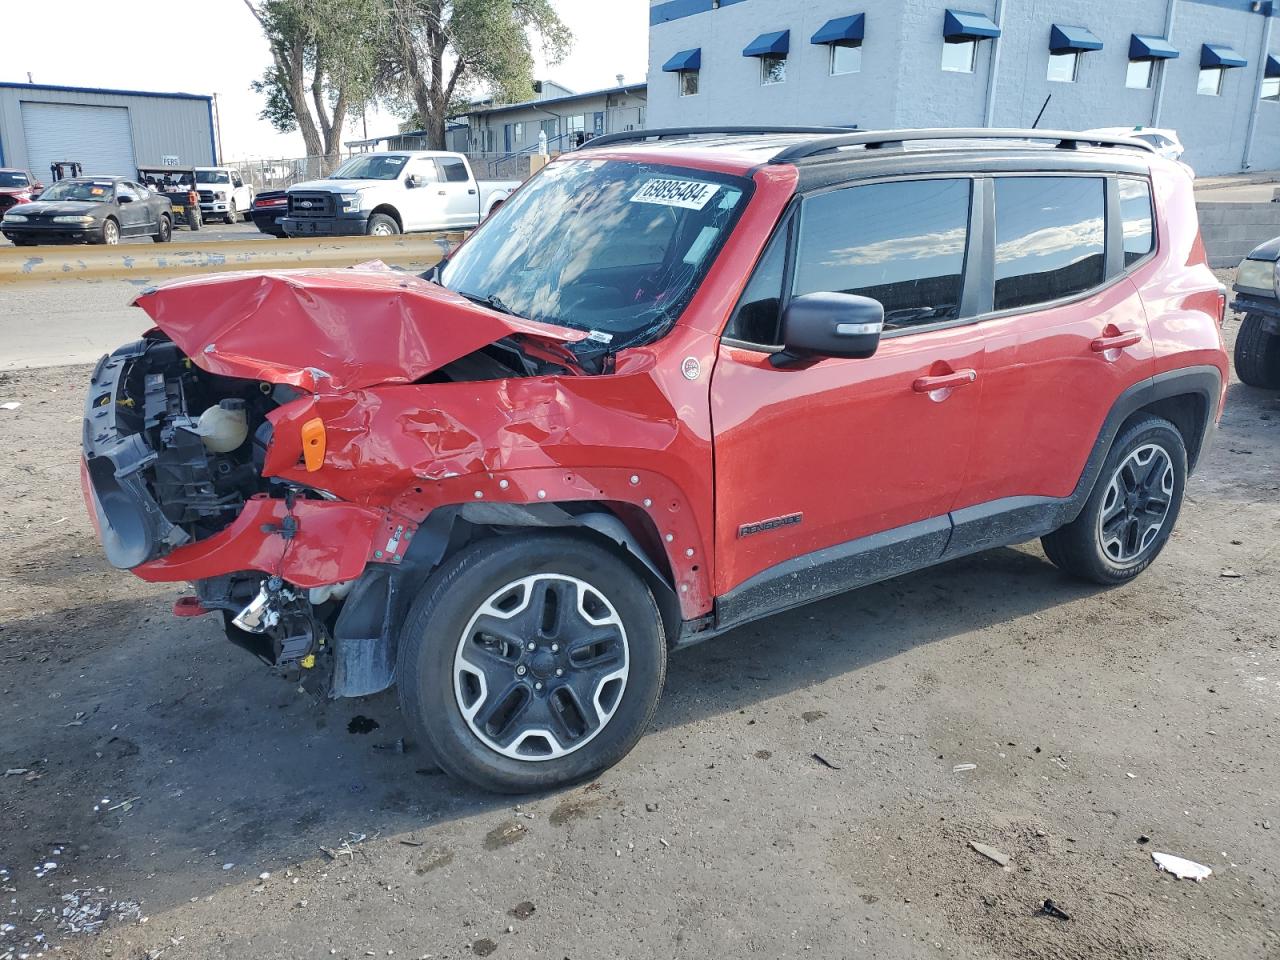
(1231, 230)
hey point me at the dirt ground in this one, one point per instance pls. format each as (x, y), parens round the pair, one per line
(171, 788)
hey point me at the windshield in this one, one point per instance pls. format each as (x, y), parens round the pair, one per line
(94, 190)
(370, 167)
(11, 178)
(613, 247)
(212, 176)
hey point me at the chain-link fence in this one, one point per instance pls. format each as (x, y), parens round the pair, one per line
(280, 174)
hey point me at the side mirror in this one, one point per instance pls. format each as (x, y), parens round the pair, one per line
(124, 198)
(413, 181)
(819, 325)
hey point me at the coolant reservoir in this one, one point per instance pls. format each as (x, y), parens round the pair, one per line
(224, 428)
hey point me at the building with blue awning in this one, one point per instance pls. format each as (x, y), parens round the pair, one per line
(1207, 69)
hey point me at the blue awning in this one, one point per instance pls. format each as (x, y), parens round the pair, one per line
(1273, 66)
(1151, 48)
(962, 25)
(1220, 55)
(1066, 39)
(684, 60)
(842, 30)
(769, 45)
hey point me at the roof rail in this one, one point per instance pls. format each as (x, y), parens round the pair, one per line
(672, 133)
(895, 139)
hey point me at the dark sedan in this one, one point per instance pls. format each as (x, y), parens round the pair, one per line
(268, 207)
(90, 210)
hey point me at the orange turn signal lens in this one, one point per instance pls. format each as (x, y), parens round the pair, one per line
(313, 443)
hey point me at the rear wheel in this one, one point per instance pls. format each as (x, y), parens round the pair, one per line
(1257, 354)
(381, 225)
(164, 232)
(1129, 516)
(530, 662)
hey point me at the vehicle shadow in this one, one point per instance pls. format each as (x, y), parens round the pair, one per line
(232, 765)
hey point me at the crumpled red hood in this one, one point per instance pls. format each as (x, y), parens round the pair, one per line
(328, 331)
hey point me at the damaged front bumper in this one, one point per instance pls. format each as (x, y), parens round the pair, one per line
(278, 560)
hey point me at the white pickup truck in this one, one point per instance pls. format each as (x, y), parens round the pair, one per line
(398, 191)
(223, 194)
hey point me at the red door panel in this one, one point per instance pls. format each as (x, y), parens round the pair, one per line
(1052, 376)
(854, 447)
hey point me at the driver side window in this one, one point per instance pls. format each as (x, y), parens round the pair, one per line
(902, 243)
(124, 190)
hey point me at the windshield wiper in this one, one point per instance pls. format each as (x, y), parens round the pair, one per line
(493, 302)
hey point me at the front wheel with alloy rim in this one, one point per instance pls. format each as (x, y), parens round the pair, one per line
(531, 661)
(110, 232)
(1131, 512)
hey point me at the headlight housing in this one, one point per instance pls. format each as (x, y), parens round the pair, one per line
(220, 195)
(350, 202)
(1257, 275)
(73, 219)
(15, 218)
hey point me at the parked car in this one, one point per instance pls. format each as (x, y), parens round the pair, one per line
(17, 186)
(665, 390)
(223, 194)
(1165, 142)
(268, 207)
(1258, 342)
(382, 194)
(179, 187)
(90, 210)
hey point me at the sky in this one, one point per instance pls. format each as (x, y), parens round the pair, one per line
(612, 38)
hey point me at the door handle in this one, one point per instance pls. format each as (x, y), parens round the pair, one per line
(1117, 342)
(961, 378)
(443, 193)
(472, 192)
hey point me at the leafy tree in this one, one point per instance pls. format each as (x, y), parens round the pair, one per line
(323, 57)
(440, 52)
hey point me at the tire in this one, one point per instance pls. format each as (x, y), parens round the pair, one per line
(165, 232)
(1257, 354)
(232, 214)
(531, 735)
(110, 233)
(381, 225)
(1115, 537)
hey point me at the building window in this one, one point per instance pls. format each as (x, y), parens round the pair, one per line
(773, 69)
(550, 128)
(1064, 67)
(519, 133)
(1140, 75)
(959, 56)
(1271, 89)
(1210, 83)
(846, 57)
(689, 83)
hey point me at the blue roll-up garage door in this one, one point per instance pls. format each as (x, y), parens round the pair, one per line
(100, 138)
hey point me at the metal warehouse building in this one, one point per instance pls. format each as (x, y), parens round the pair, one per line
(1209, 69)
(107, 131)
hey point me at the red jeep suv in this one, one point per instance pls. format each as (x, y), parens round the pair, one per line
(680, 381)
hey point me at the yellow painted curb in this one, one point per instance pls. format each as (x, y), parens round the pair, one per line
(42, 264)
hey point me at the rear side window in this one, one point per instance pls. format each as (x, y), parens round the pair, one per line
(1135, 213)
(1050, 238)
(901, 243)
(452, 171)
